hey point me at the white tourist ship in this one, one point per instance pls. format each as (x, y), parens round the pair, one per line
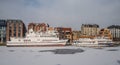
(85, 42)
(97, 41)
(48, 38)
(104, 40)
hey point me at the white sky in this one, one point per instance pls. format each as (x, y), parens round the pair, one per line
(63, 13)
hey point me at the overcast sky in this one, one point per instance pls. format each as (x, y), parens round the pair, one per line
(63, 13)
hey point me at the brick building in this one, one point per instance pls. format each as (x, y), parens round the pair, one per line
(15, 28)
(37, 26)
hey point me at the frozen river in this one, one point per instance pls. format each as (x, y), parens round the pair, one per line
(59, 56)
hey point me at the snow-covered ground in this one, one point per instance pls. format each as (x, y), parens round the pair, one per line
(55, 56)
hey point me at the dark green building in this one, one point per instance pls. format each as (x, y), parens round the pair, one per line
(3, 31)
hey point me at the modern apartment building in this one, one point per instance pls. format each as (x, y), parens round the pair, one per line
(115, 30)
(37, 26)
(90, 29)
(15, 28)
(2, 31)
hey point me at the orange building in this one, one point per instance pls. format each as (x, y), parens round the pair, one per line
(105, 33)
(76, 35)
(50, 28)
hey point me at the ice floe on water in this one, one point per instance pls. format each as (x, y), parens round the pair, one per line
(69, 55)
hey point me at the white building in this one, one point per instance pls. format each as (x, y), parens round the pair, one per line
(115, 30)
(90, 29)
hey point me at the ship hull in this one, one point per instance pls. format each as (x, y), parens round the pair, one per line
(34, 44)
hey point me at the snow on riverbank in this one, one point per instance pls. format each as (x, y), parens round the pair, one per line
(56, 56)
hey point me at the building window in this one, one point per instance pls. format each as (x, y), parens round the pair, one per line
(0, 27)
(9, 27)
(14, 28)
(18, 34)
(10, 34)
(15, 34)
(9, 31)
(19, 27)
(19, 30)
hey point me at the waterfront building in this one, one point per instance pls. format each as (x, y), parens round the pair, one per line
(115, 30)
(2, 31)
(76, 35)
(15, 28)
(31, 26)
(105, 33)
(90, 29)
(38, 26)
(51, 29)
(64, 33)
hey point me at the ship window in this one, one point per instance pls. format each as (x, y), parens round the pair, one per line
(29, 40)
(38, 39)
(19, 40)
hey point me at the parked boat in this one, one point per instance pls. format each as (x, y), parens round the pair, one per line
(85, 42)
(98, 41)
(48, 38)
(104, 40)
